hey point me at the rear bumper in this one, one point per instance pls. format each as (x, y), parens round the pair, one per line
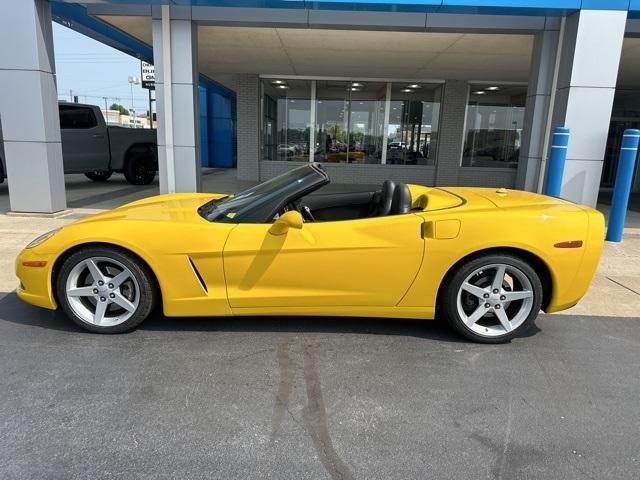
(586, 269)
(35, 282)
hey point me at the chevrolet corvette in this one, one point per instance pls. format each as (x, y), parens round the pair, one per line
(486, 260)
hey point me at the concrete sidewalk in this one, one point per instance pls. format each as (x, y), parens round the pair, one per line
(615, 291)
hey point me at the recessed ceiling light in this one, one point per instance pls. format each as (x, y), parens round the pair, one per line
(480, 92)
(278, 82)
(493, 89)
(283, 87)
(414, 85)
(406, 90)
(357, 84)
(355, 89)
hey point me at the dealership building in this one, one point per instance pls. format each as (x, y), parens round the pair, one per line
(437, 92)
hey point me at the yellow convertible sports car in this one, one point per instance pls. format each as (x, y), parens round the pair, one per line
(487, 260)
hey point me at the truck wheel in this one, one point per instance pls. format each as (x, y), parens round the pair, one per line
(99, 175)
(140, 169)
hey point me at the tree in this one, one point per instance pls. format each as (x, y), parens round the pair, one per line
(120, 108)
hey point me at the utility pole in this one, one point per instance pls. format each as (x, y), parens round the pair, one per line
(106, 110)
(133, 81)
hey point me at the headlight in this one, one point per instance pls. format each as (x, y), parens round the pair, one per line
(43, 238)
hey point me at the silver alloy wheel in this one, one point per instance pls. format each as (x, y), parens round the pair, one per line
(102, 291)
(495, 300)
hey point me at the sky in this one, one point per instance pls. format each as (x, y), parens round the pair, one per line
(93, 70)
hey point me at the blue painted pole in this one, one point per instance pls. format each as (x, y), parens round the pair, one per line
(557, 159)
(622, 187)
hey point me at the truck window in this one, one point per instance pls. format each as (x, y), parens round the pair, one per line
(76, 117)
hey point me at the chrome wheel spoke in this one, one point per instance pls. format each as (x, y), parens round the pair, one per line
(478, 313)
(119, 300)
(498, 279)
(95, 272)
(120, 278)
(98, 316)
(504, 319)
(513, 296)
(81, 292)
(473, 290)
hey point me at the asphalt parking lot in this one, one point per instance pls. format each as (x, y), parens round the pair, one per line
(313, 398)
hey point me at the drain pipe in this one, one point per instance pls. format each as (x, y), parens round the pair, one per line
(552, 102)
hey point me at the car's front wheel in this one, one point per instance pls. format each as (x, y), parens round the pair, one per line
(492, 298)
(105, 290)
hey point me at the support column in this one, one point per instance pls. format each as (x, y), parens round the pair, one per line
(592, 45)
(175, 53)
(29, 107)
(451, 132)
(543, 62)
(248, 126)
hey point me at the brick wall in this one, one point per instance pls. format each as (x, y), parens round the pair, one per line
(248, 126)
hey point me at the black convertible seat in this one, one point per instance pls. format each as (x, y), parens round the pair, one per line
(385, 199)
(401, 201)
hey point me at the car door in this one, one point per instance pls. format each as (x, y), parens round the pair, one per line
(344, 263)
(85, 145)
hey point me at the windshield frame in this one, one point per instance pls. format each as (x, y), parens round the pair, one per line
(261, 203)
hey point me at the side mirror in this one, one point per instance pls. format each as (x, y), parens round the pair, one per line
(291, 219)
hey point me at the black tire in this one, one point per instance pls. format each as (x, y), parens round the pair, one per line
(449, 297)
(143, 276)
(140, 169)
(99, 175)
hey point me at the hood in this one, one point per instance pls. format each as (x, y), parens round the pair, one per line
(181, 207)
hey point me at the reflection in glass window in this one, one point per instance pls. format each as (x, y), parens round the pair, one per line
(287, 121)
(495, 118)
(412, 135)
(349, 121)
(332, 111)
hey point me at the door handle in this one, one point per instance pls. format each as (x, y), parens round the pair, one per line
(98, 135)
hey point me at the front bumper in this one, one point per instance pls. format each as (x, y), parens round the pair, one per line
(35, 282)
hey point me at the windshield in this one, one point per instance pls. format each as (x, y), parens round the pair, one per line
(259, 204)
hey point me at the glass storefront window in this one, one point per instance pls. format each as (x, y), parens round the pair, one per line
(349, 121)
(287, 120)
(332, 112)
(414, 114)
(346, 122)
(493, 133)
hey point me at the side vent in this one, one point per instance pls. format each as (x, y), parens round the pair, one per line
(195, 270)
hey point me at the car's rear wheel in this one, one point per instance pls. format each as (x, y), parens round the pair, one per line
(105, 290)
(140, 169)
(99, 175)
(492, 298)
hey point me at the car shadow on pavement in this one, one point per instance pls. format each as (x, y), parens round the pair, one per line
(13, 310)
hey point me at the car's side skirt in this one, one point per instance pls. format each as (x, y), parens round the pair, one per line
(427, 313)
